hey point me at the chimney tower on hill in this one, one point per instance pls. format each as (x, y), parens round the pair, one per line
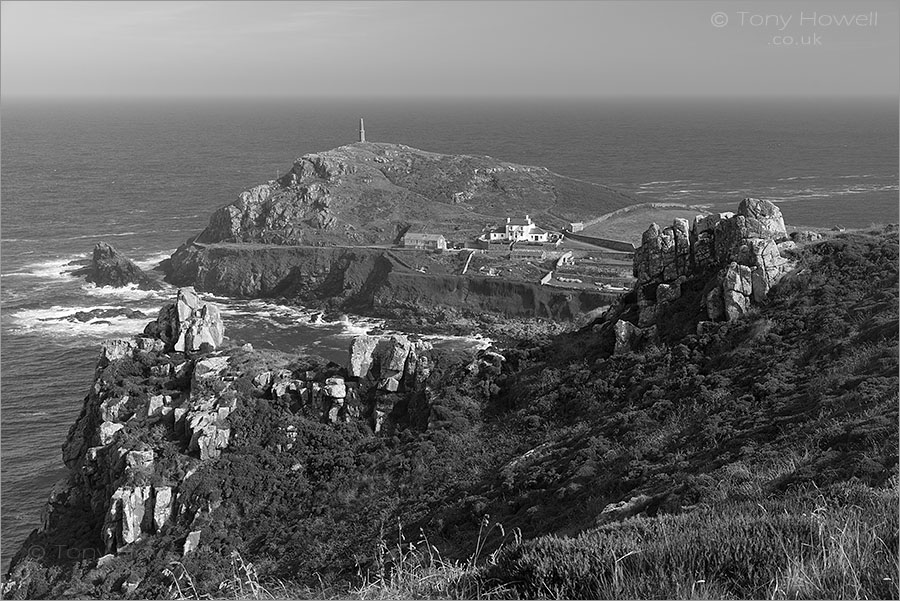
(362, 130)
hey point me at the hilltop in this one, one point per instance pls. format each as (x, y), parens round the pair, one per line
(371, 193)
(326, 234)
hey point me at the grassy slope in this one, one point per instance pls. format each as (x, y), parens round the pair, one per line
(763, 457)
(793, 408)
(378, 190)
(631, 225)
(761, 460)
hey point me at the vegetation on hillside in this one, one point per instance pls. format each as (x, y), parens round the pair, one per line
(755, 460)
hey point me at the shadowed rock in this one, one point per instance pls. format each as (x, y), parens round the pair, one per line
(109, 267)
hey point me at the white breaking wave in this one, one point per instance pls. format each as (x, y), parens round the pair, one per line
(670, 181)
(131, 292)
(54, 269)
(52, 322)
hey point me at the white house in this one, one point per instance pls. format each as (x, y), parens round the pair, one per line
(519, 230)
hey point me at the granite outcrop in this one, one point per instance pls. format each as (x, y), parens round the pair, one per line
(734, 258)
(162, 405)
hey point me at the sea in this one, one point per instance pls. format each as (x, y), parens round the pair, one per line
(144, 176)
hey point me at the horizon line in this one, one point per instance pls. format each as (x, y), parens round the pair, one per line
(441, 98)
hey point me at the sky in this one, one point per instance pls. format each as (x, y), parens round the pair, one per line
(449, 49)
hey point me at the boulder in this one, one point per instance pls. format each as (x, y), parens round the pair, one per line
(763, 218)
(162, 506)
(768, 267)
(210, 367)
(115, 349)
(667, 293)
(139, 461)
(124, 519)
(787, 245)
(211, 442)
(393, 353)
(391, 357)
(737, 287)
(186, 302)
(191, 542)
(150, 345)
(378, 419)
(626, 336)
(165, 328)
(361, 350)
(681, 230)
(391, 384)
(624, 509)
(655, 260)
(157, 403)
(263, 381)
(108, 432)
(335, 388)
(115, 409)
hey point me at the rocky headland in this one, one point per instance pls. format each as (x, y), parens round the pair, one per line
(324, 233)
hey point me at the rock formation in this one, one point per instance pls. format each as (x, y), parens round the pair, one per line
(188, 324)
(737, 256)
(108, 267)
(134, 489)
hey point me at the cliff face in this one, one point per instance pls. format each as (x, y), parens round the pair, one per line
(371, 193)
(710, 270)
(367, 280)
(165, 406)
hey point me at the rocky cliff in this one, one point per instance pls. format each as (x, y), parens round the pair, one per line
(727, 262)
(163, 405)
(370, 281)
(372, 193)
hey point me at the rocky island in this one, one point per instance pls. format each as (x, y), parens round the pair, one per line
(727, 428)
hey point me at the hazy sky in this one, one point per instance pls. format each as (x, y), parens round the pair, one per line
(449, 48)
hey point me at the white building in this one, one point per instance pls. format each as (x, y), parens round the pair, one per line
(424, 241)
(519, 230)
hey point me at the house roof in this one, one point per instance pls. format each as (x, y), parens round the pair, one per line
(519, 222)
(424, 237)
(498, 230)
(538, 230)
